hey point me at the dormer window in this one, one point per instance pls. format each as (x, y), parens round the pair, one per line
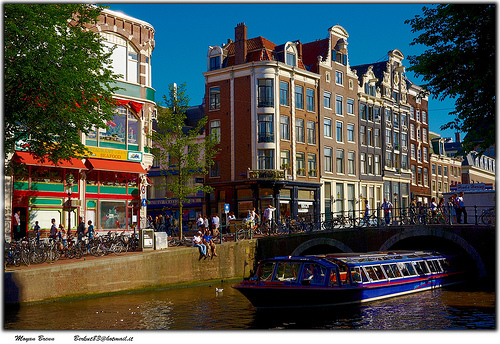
(291, 56)
(215, 62)
(370, 89)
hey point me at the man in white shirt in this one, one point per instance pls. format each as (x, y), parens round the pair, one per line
(387, 207)
(268, 216)
(215, 225)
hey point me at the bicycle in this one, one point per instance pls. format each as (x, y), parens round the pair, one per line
(488, 217)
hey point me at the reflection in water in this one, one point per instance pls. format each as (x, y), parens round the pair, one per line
(203, 308)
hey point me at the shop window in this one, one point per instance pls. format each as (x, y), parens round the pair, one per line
(43, 174)
(113, 214)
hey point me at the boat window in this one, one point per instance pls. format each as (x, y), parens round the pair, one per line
(379, 272)
(445, 264)
(404, 269)
(395, 270)
(265, 272)
(344, 274)
(371, 273)
(287, 271)
(334, 282)
(421, 267)
(314, 273)
(410, 268)
(434, 266)
(358, 275)
(388, 271)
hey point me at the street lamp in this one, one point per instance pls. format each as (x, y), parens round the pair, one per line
(69, 190)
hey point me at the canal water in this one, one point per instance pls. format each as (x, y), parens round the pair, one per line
(203, 308)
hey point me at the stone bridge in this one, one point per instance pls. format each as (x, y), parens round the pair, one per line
(476, 243)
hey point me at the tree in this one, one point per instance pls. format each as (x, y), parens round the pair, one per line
(57, 83)
(182, 152)
(460, 63)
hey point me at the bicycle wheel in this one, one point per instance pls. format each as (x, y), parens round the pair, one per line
(241, 234)
(488, 219)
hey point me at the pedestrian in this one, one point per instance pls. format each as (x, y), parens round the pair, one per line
(215, 224)
(200, 223)
(161, 223)
(53, 230)
(63, 235)
(198, 242)
(268, 216)
(387, 207)
(433, 207)
(205, 223)
(367, 213)
(209, 243)
(90, 230)
(168, 225)
(80, 231)
(459, 201)
(36, 230)
(452, 210)
(17, 225)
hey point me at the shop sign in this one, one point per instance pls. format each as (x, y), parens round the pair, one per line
(114, 154)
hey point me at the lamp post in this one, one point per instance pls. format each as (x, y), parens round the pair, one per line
(69, 190)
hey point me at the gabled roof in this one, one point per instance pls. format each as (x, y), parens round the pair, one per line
(378, 69)
(311, 51)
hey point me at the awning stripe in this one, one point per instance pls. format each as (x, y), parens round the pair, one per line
(115, 165)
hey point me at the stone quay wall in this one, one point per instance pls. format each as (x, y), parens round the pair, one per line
(132, 271)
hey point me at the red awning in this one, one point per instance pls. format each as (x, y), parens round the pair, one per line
(136, 106)
(28, 159)
(115, 165)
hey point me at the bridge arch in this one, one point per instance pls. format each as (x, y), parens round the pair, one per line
(438, 232)
(321, 241)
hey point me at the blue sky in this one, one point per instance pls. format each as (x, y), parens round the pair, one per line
(183, 33)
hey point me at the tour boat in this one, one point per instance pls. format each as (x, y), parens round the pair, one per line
(346, 278)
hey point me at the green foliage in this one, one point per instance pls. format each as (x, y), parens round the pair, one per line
(57, 82)
(181, 151)
(460, 63)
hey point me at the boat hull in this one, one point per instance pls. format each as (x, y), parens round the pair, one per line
(263, 295)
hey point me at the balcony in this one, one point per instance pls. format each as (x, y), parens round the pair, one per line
(266, 174)
(266, 137)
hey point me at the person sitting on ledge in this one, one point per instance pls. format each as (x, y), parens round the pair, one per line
(198, 242)
(208, 241)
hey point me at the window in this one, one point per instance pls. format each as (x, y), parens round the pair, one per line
(215, 169)
(388, 117)
(299, 97)
(340, 58)
(445, 171)
(418, 135)
(327, 100)
(265, 130)
(284, 93)
(424, 134)
(300, 162)
(412, 112)
(265, 159)
(412, 151)
(311, 164)
(419, 175)
(404, 161)
(369, 136)
(350, 106)
(215, 62)
(214, 98)
(370, 113)
(369, 165)
(327, 127)
(388, 136)
(285, 159)
(395, 96)
(419, 155)
(340, 130)
(124, 57)
(310, 99)
(299, 130)
(396, 140)
(426, 176)
(424, 117)
(376, 115)
(362, 135)
(377, 169)
(215, 129)
(120, 132)
(413, 174)
(433, 167)
(396, 121)
(362, 111)
(311, 132)
(339, 77)
(412, 131)
(418, 115)
(376, 137)
(388, 159)
(340, 161)
(285, 127)
(440, 170)
(403, 119)
(425, 153)
(351, 158)
(328, 159)
(362, 163)
(350, 132)
(338, 105)
(404, 140)
(290, 59)
(370, 89)
(265, 93)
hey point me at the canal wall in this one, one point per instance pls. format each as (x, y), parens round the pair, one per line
(132, 271)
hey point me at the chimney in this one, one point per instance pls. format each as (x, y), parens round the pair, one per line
(457, 137)
(240, 43)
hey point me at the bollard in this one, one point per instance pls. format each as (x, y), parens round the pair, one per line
(475, 213)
